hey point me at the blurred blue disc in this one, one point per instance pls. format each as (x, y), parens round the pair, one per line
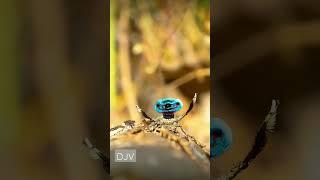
(220, 137)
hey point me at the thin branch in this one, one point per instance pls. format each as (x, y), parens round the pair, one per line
(290, 37)
(124, 61)
(196, 74)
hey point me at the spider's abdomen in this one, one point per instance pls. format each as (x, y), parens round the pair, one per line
(168, 105)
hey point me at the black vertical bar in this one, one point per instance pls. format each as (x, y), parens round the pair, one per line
(212, 77)
(107, 21)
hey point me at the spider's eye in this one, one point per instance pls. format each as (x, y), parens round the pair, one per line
(158, 105)
(177, 104)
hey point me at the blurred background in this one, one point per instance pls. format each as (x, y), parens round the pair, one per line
(160, 49)
(53, 88)
(54, 91)
(263, 50)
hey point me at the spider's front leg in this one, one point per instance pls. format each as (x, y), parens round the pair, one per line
(147, 119)
(194, 99)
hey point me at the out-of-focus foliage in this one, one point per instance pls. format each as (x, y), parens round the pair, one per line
(263, 50)
(162, 51)
(112, 57)
(52, 90)
(8, 75)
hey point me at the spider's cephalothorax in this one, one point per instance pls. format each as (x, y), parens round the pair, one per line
(168, 106)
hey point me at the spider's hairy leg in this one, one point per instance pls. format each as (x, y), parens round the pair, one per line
(146, 117)
(260, 141)
(194, 100)
(270, 119)
(188, 136)
(96, 154)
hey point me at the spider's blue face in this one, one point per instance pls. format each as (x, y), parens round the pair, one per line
(168, 105)
(220, 137)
